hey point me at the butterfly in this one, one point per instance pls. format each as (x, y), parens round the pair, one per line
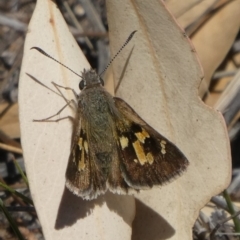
(113, 148)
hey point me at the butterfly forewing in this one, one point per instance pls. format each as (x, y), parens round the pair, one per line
(147, 158)
(84, 176)
(78, 172)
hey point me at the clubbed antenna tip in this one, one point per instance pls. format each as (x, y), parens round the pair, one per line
(47, 55)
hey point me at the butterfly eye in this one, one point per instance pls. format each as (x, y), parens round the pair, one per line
(101, 81)
(81, 85)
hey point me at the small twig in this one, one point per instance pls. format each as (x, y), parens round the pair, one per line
(77, 24)
(11, 148)
(13, 23)
(222, 74)
(221, 223)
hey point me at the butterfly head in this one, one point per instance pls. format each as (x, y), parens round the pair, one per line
(90, 78)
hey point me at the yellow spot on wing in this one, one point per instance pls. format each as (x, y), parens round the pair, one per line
(139, 152)
(123, 142)
(85, 146)
(145, 133)
(81, 163)
(142, 135)
(150, 158)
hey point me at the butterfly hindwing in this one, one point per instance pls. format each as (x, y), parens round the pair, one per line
(78, 174)
(148, 158)
(84, 177)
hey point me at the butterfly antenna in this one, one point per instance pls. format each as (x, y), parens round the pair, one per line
(123, 46)
(47, 55)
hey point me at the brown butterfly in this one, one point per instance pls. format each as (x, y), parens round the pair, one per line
(113, 148)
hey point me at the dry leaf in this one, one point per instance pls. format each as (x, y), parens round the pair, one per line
(214, 39)
(161, 84)
(47, 145)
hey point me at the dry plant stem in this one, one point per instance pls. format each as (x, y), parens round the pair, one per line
(89, 34)
(93, 15)
(205, 221)
(222, 74)
(96, 22)
(234, 126)
(229, 105)
(11, 148)
(15, 65)
(13, 23)
(4, 138)
(77, 24)
(194, 26)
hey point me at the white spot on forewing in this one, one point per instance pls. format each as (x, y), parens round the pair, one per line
(163, 142)
(163, 146)
(163, 151)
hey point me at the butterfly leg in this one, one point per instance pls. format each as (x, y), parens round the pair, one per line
(40, 83)
(66, 88)
(48, 119)
(56, 85)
